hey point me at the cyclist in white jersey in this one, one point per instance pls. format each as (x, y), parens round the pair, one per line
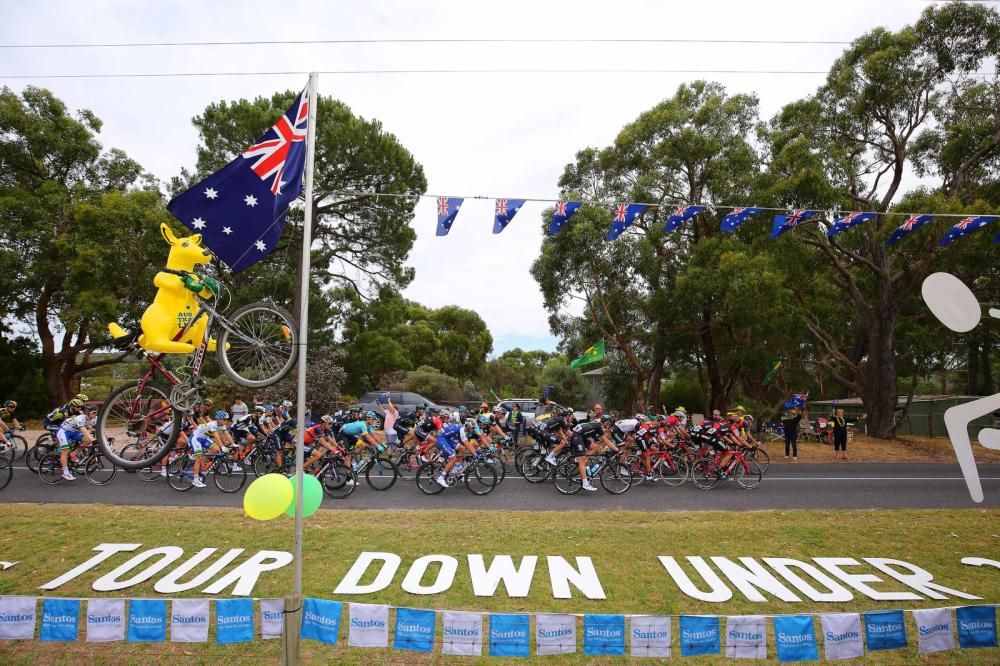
(74, 429)
(207, 436)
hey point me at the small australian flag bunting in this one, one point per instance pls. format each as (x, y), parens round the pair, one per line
(783, 223)
(738, 216)
(240, 209)
(912, 223)
(447, 208)
(561, 214)
(966, 227)
(624, 216)
(681, 215)
(506, 209)
(841, 224)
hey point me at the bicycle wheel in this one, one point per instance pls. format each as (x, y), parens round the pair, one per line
(705, 474)
(407, 463)
(636, 467)
(338, 481)
(35, 454)
(498, 467)
(616, 477)
(380, 473)
(6, 472)
(258, 344)
(50, 469)
(228, 476)
(130, 417)
(673, 472)
(481, 478)
(180, 473)
(567, 478)
(750, 477)
(534, 468)
(427, 475)
(99, 470)
(19, 447)
(760, 455)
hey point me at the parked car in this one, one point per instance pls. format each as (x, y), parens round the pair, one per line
(528, 406)
(405, 402)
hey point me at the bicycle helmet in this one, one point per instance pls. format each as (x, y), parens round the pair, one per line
(82, 397)
(484, 419)
(470, 423)
(286, 403)
(221, 414)
(606, 419)
(455, 417)
(76, 402)
(326, 418)
(463, 410)
(268, 408)
(258, 408)
(369, 415)
(207, 403)
(10, 404)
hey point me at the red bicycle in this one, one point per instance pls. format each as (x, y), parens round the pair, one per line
(747, 472)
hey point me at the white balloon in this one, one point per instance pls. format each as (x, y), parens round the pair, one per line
(951, 301)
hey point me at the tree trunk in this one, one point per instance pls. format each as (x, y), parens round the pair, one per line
(972, 363)
(656, 374)
(716, 398)
(988, 384)
(880, 393)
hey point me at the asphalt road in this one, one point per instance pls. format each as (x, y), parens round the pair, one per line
(802, 486)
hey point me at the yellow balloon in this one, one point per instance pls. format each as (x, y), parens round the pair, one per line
(268, 497)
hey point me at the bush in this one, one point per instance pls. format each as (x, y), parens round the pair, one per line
(569, 386)
(433, 384)
(681, 392)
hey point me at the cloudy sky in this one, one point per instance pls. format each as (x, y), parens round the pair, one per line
(493, 135)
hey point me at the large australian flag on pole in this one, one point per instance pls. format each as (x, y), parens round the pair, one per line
(240, 209)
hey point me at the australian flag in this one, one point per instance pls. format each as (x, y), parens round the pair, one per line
(447, 208)
(680, 216)
(624, 216)
(966, 227)
(240, 209)
(783, 223)
(506, 209)
(561, 214)
(912, 223)
(737, 217)
(850, 220)
(797, 400)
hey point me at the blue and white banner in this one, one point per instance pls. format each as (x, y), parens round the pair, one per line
(555, 634)
(105, 620)
(935, 630)
(233, 621)
(414, 629)
(795, 638)
(746, 637)
(60, 620)
(604, 634)
(509, 635)
(650, 636)
(17, 618)
(272, 618)
(977, 626)
(699, 635)
(842, 636)
(885, 630)
(462, 633)
(147, 621)
(369, 625)
(321, 620)
(189, 621)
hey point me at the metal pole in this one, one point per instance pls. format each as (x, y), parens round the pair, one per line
(292, 620)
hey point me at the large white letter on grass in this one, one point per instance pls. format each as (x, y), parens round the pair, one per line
(167, 554)
(517, 581)
(917, 578)
(751, 577)
(412, 583)
(584, 578)
(858, 581)
(104, 551)
(717, 594)
(169, 585)
(245, 576)
(351, 583)
(784, 566)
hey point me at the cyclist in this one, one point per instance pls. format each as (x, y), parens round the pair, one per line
(7, 414)
(73, 430)
(358, 431)
(454, 440)
(682, 416)
(488, 425)
(244, 430)
(590, 439)
(54, 419)
(320, 438)
(425, 431)
(555, 432)
(207, 436)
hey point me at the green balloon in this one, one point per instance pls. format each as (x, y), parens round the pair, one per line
(312, 496)
(268, 496)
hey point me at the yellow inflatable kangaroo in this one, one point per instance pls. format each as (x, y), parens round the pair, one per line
(174, 304)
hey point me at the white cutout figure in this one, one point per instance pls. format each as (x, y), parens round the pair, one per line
(955, 306)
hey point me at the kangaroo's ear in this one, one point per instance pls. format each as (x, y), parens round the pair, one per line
(167, 234)
(196, 239)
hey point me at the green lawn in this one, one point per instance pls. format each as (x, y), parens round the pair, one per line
(50, 540)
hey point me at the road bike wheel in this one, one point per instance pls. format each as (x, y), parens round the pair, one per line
(19, 447)
(636, 467)
(180, 473)
(675, 474)
(228, 476)
(380, 473)
(407, 463)
(751, 477)
(760, 455)
(50, 469)
(148, 473)
(99, 470)
(616, 477)
(481, 478)
(6, 472)
(130, 417)
(427, 475)
(258, 344)
(335, 480)
(35, 454)
(497, 466)
(534, 468)
(567, 478)
(705, 474)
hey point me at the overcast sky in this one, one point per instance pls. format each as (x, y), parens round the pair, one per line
(495, 135)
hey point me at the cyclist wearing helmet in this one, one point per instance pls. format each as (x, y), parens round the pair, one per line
(320, 438)
(555, 432)
(358, 432)
(54, 419)
(488, 425)
(207, 436)
(589, 439)
(7, 414)
(75, 429)
(245, 430)
(453, 441)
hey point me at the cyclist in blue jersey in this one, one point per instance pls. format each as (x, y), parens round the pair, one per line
(207, 439)
(358, 431)
(453, 441)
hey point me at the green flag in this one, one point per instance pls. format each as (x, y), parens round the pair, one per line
(770, 375)
(592, 355)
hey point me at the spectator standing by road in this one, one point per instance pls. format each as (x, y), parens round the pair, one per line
(515, 423)
(391, 415)
(239, 409)
(790, 423)
(839, 434)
